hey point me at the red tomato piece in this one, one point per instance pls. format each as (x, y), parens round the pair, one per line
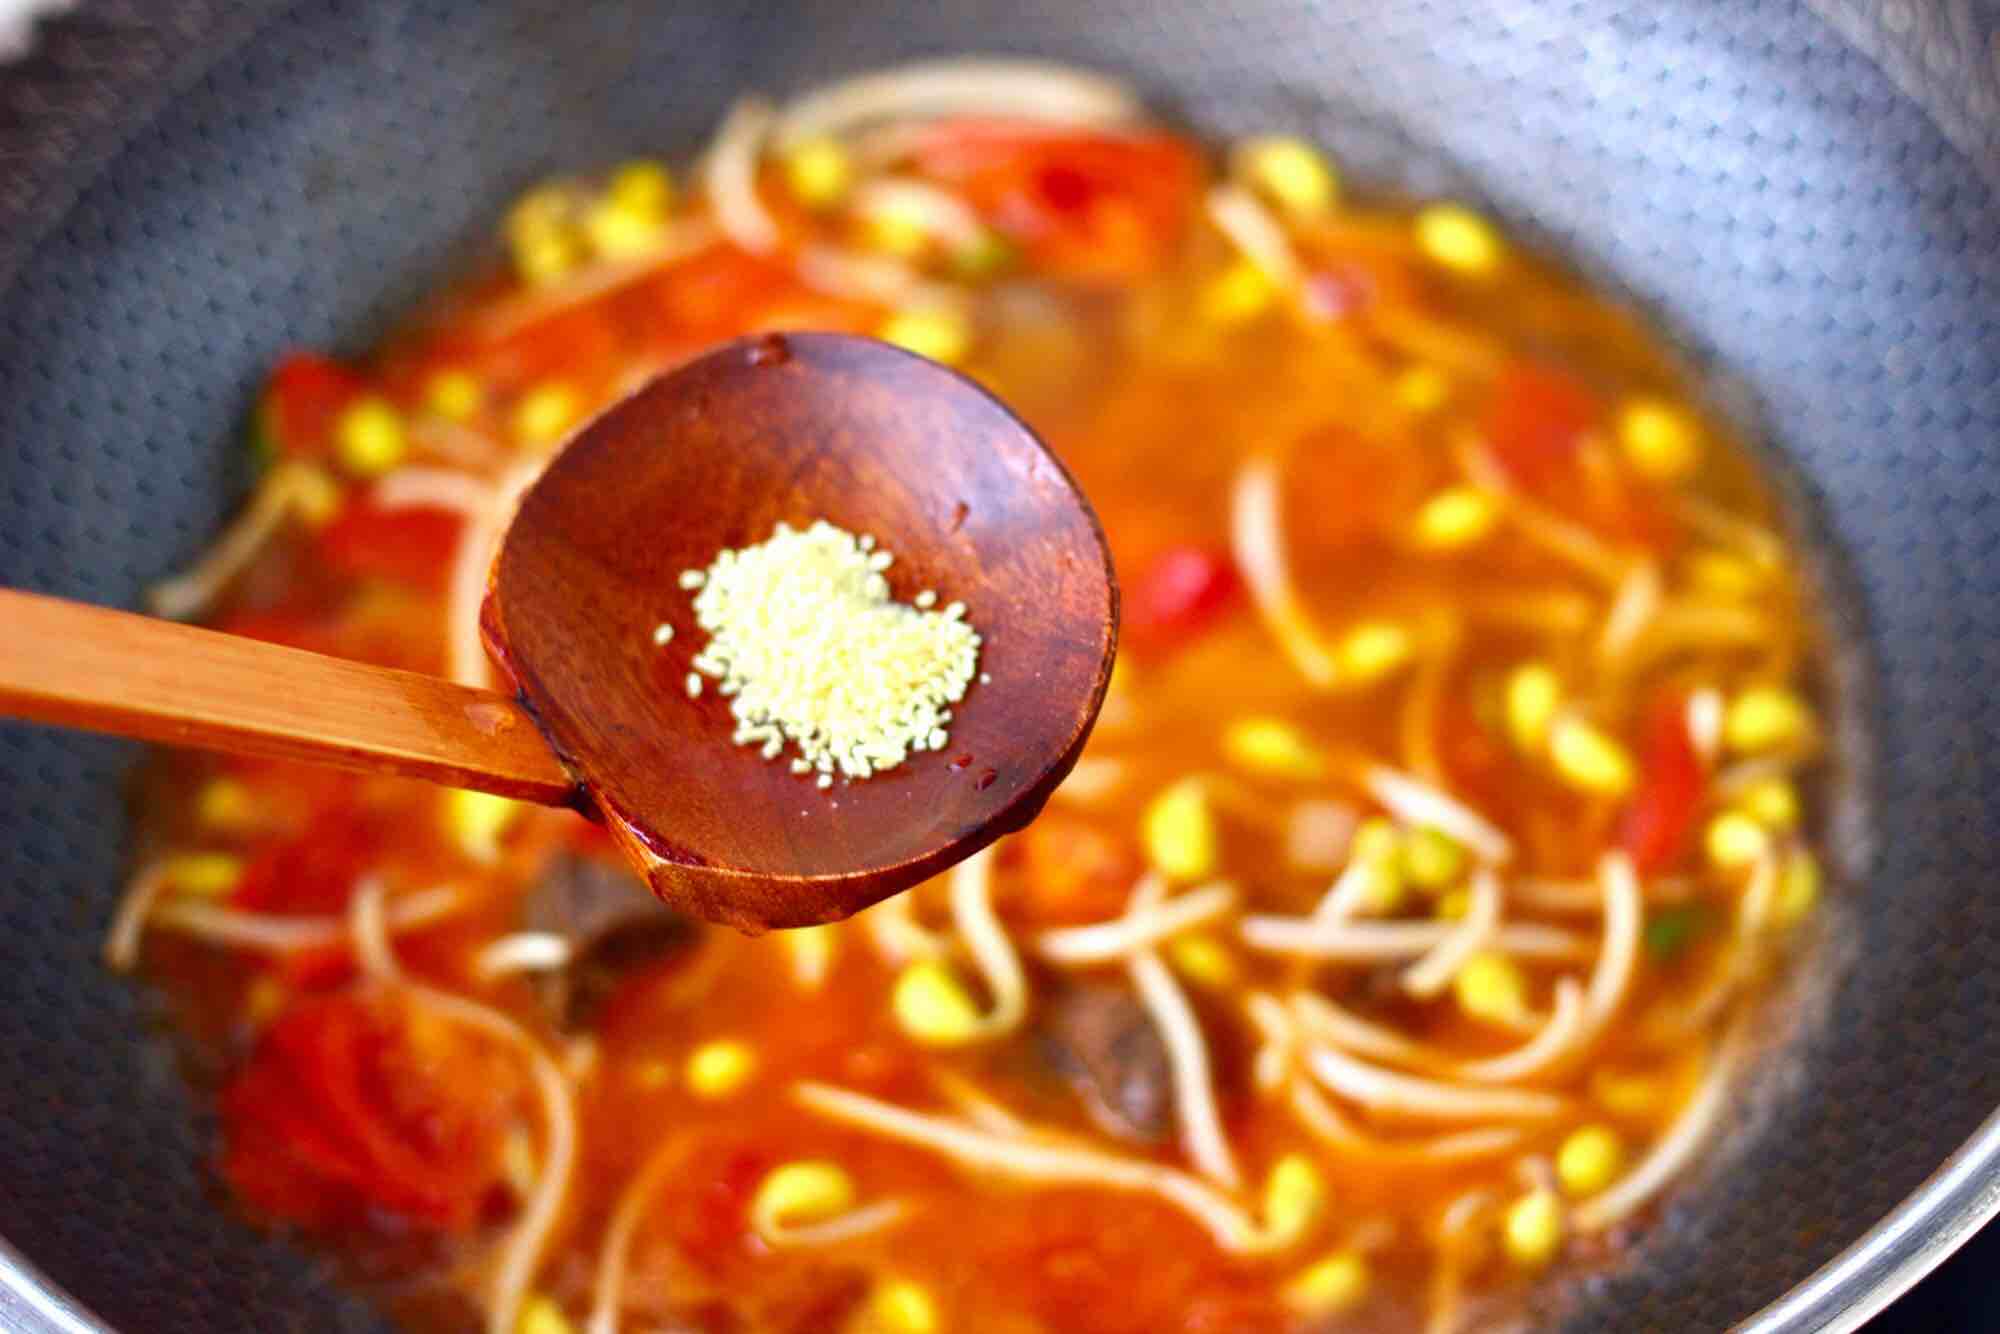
(1073, 872)
(302, 400)
(1657, 821)
(1096, 207)
(412, 546)
(1536, 419)
(345, 1110)
(1182, 592)
(718, 1218)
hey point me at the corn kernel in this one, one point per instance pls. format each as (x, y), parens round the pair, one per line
(544, 414)
(541, 1315)
(227, 805)
(1626, 1094)
(1765, 718)
(989, 254)
(1771, 802)
(1491, 989)
(941, 335)
(807, 1191)
(1459, 239)
(717, 1069)
(1725, 575)
(642, 188)
(819, 172)
(1660, 440)
(1533, 1230)
(1589, 1159)
(1534, 694)
(933, 1006)
(454, 395)
(1432, 859)
(1455, 518)
(1798, 888)
(1334, 1284)
(616, 232)
(899, 1306)
(1373, 649)
(811, 949)
(1179, 831)
(1453, 905)
(899, 227)
(205, 875)
(543, 244)
(1589, 759)
(476, 822)
(1378, 846)
(1290, 171)
(547, 257)
(369, 439)
(1734, 840)
(1273, 746)
(1422, 388)
(1204, 959)
(1238, 294)
(316, 496)
(1294, 1194)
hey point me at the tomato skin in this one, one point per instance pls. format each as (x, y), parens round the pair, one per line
(1084, 206)
(1536, 421)
(1074, 872)
(413, 546)
(302, 400)
(342, 1115)
(1182, 591)
(1656, 823)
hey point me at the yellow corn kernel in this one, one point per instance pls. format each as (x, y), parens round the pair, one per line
(544, 414)
(1765, 718)
(1491, 989)
(1202, 958)
(1179, 831)
(1455, 518)
(1659, 439)
(1422, 388)
(1626, 1094)
(807, 1191)
(1734, 840)
(227, 805)
(819, 172)
(811, 949)
(539, 236)
(899, 1306)
(1334, 1284)
(1589, 1159)
(1453, 905)
(899, 227)
(205, 875)
(369, 438)
(1432, 859)
(642, 188)
(1294, 1194)
(1533, 1229)
(1275, 747)
(1378, 846)
(1771, 802)
(1291, 172)
(1534, 694)
(1725, 575)
(1373, 649)
(1459, 239)
(541, 1315)
(719, 1068)
(941, 335)
(316, 496)
(1798, 888)
(616, 232)
(989, 254)
(933, 1006)
(454, 395)
(1589, 759)
(1238, 294)
(476, 822)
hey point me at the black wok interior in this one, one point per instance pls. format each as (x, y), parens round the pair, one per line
(190, 186)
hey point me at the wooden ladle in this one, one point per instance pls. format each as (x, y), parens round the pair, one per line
(791, 427)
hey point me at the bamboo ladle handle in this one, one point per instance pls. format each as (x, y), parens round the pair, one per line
(112, 671)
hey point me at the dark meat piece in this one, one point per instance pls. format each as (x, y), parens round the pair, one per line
(1101, 1039)
(614, 926)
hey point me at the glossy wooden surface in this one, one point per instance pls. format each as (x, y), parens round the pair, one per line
(111, 671)
(712, 455)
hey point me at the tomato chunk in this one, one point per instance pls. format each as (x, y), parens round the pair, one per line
(302, 400)
(1536, 420)
(1657, 821)
(1182, 592)
(412, 546)
(350, 1106)
(1094, 207)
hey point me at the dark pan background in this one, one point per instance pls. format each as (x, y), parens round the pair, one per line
(188, 186)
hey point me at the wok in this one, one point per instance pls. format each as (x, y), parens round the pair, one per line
(188, 186)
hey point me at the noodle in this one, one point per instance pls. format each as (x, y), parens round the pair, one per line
(1388, 1093)
(274, 934)
(1386, 942)
(1238, 215)
(1673, 1151)
(1091, 781)
(522, 952)
(1322, 1119)
(1023, 89)
(1187, 1054)
(1434, 972)
(682, 240)
(368, 926)
(1257, 538)
(869, 1218)
(999, 965)
(434, 488)
(196, 590)
(1418, 803)
(945, 216)
(1104, 942)
(1637, 602)
(607, 1288)
(897, 935)
(128, 923)
(731, 175)
(852, 276)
